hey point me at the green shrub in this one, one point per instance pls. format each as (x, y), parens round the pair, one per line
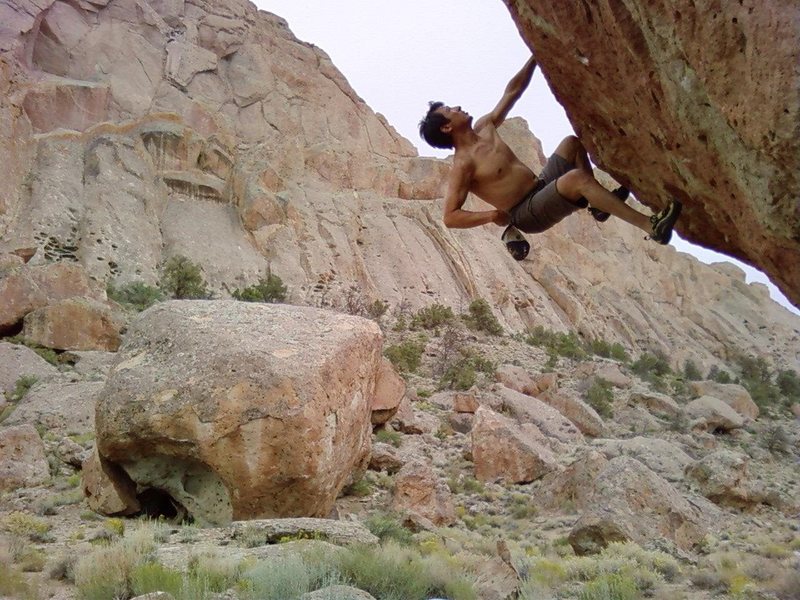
(377, 309)
(611, 586)
(776, 440)
(619, 353)
(22, 386)
(14, 585)
(557, 344)
(481, 318)
(360, 488)
(690, 371)
(388, 527)
(406, 355)
(389, 436)
(600, 397)
(152, 577)
(25, 525)
(432, 316)
(651, 366)
(278, 579)
(718, 375)
(137, 295)
(463, 374)
(394, 572)
(182, 279)
(268, 289)
(789, 384)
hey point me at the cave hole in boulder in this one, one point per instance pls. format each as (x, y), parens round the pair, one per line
(157, 504)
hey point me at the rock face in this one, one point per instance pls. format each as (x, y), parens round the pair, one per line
(135, 130)
(715, 119)
(238, 410)
(419, 491)
(22, 458)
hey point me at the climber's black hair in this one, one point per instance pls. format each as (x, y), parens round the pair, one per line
(430, 128)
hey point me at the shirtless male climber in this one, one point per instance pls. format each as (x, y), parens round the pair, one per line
(486, 166)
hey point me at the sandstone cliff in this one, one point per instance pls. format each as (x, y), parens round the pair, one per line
(135, 130)
(697, 101)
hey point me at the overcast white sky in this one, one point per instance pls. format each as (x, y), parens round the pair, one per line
(399, 55)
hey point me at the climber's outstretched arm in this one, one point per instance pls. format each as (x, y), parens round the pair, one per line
(518, 84)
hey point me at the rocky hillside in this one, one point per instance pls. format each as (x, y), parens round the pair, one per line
(687, 100)
(135, 131)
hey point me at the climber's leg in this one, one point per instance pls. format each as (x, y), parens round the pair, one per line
(579, 183)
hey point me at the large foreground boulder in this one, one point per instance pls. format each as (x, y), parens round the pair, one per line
(236, 410)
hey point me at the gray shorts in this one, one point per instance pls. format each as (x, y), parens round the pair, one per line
(543, 206)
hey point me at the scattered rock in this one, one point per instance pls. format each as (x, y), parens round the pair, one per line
(656, 402)
(385, 458)
(461, 422)
(73, 324)
(503, 449)
(577, 411)
(17, 361)
(418, 490)
(712, 414)
(23, 462)
(661, 456)
(547, 419)
(108, 489)
(722, 478)
(341, 533)
(61, 407)
(465, 403)
(575, 484)
(72, 453)
(631, 502)
(389, 391)
(732, 394)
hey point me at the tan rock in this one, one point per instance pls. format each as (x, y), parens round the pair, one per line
(337, 532)
(418, 490)
(577, 411)
(461, 422)
(656, 402)
(631, 502)
(660, 456)
(722, 477)
(389, 391)
(465, 403)
(713, 414)
(413, 421)
(732, 394)
(60, 407)
(266, 408)
(108, 490)
(73, 324)
(574, 484)
(517, 378)
(547, 419)
(503, 449)
(17, 361)
(23, 462)
(26, 289)
(385, 458)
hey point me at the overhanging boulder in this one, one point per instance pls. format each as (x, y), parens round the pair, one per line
(701, 105)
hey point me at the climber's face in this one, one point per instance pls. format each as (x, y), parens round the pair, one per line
(456, 118)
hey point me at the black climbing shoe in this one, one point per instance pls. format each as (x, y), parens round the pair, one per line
(515, 242)
(621, 192)
(664, 221)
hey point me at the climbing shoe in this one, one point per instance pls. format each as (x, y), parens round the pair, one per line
(515, 242)
(664, 221)
(621, 193)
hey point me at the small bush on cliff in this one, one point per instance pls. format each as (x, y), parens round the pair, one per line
(136, 295)
(21, 387)
(432, 317)
(269, 289)
(481, 318)
(718, 375)
(556, 343)
(690, 371)
(650, 366)
(600, 397)
(183, 280)
(407, 355)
